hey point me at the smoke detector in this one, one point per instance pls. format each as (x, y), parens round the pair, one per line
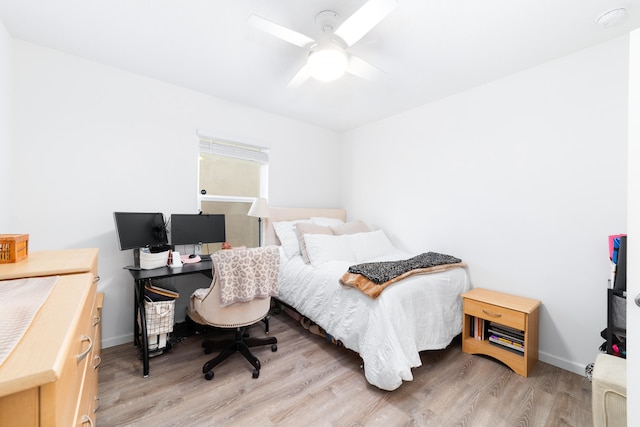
(611, 17)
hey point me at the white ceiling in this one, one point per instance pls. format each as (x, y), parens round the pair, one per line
(429, 49)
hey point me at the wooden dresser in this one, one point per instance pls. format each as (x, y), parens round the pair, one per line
(51, 376)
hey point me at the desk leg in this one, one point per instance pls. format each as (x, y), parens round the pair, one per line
(143, 327)
(136, 327)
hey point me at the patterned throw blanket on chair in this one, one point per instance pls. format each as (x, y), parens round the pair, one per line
(245, 274)
(373, 277)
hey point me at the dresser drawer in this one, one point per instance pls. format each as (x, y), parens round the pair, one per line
(63, 396)
(89, 400)
(495, 313)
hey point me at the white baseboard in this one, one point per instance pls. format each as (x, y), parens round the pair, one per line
(568, 365)
(122, 339)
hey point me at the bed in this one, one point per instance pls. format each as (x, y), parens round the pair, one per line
(420, 312)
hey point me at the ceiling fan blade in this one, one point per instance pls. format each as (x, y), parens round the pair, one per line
(279, 31)
(301, 76)
(361, 68)
(364, 19)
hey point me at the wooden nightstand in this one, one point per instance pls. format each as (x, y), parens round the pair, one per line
(502, 326)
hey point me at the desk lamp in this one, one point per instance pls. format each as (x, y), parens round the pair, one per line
(260, 209)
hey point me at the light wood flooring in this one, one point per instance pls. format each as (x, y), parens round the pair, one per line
(311, 382)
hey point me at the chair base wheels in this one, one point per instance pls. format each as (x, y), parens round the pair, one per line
(209, 374)
(241, 344)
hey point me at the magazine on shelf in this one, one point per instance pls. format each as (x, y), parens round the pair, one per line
(504, 347)
(507, 331)
(507, 343)
(498, 332)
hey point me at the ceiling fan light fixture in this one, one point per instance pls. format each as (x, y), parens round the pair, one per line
(328, 63)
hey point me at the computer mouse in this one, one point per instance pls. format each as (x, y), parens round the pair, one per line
(192, 256)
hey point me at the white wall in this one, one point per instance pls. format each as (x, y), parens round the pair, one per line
(523, 178)
(90, 140)
(633, 266)
(5, 129)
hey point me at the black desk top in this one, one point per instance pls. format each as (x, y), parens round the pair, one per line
(203, 266)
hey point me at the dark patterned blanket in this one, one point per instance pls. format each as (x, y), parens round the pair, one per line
(380, 272)
(373, 277)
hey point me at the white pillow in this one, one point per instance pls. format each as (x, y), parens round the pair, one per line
(352, 227)
(367, 246)
(288, 238)
(322, 248)
(326, 221)
(302, 229)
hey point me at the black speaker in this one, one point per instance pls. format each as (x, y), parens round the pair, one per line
(136, 257)
(620, 282)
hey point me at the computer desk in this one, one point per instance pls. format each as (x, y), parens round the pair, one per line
(140, 337)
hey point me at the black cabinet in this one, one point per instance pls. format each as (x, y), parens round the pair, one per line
(616, 332)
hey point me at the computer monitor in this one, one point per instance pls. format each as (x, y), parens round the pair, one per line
(193, 229)
(138, 230)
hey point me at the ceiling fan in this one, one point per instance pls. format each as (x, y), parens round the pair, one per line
(328, 58)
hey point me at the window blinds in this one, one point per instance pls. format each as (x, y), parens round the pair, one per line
(235, 150)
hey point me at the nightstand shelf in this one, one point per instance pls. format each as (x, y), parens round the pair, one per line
(506, 310)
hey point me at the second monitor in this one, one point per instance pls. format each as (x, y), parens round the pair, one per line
(194, 229)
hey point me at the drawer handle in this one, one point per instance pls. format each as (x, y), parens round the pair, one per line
(97, 406)
(96, 279)
(86, 419)
(488, 313)
(96, 320)
(84, 353)
(99, 360)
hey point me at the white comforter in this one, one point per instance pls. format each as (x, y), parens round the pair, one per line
(422, 312)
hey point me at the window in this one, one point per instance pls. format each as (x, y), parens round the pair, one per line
(230, 176)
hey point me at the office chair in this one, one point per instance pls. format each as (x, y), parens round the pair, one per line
(239, 296)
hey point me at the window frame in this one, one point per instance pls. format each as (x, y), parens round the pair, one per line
(229, 147)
